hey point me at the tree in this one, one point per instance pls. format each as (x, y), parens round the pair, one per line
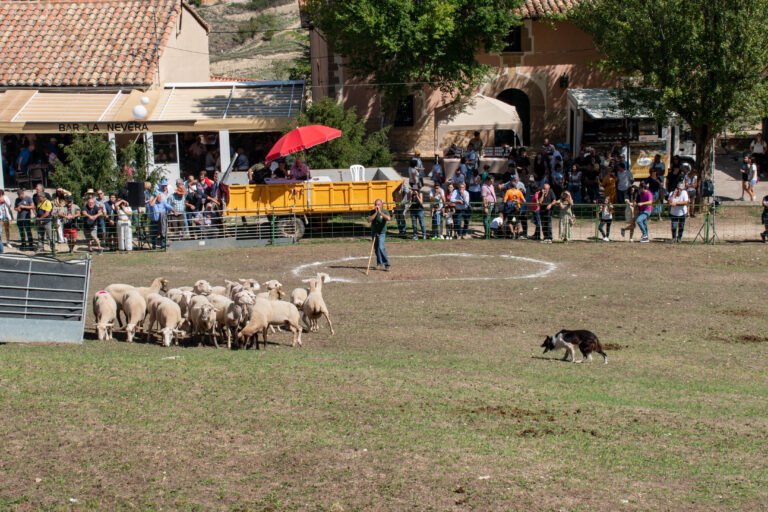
(703, 60)
(353, 147)
(400, 45)
(89, 163)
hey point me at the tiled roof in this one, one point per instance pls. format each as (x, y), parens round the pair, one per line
(543, 8)
(83, 42)
(227, 78)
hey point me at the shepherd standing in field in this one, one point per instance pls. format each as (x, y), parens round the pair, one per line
(378, 219)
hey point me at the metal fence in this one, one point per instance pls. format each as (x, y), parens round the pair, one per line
(42, 299)
(729, 222)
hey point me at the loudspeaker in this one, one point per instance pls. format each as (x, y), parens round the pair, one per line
(135, 194)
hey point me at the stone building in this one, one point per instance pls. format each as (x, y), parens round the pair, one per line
(543, 58)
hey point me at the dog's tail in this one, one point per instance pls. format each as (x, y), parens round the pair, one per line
(600, 351)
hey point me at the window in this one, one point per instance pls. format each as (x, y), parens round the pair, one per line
(513, 43)
(165, 148)
(404, 115)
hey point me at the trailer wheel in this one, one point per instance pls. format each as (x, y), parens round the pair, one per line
(290, 227)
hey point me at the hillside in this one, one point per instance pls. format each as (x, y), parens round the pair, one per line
(259, 39)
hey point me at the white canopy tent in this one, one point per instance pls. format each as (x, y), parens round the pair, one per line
(478, 113)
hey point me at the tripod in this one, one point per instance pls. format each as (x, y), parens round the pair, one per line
(710, 215)
(709, 220)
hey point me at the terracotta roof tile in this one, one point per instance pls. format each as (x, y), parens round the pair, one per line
(80, 42)
(543, 8)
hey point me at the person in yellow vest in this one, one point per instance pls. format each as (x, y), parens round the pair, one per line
(43, 214)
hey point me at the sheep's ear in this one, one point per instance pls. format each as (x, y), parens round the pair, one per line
(326, 278)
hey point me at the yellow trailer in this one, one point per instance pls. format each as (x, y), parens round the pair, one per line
(329, 192)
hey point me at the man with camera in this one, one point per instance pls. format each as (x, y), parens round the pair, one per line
(378, 219)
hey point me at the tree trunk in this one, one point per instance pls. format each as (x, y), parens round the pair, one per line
(704, 164)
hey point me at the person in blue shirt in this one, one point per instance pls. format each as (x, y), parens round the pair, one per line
(24, 158)
(471, 158)
(158, 222)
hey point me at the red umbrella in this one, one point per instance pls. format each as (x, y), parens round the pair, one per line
(303, 137)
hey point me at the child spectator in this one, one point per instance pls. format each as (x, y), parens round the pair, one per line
(630, 212)
(448, 212)
(606, 219)
(566, 216)
(497, 226)
(68, 217)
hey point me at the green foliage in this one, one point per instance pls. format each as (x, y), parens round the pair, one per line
(702, 60)
(264, 24)
(89, 163)
(196, 3)
(297, 69)
(402, 44)
(258, 5)
(134, 161)
(353, 147)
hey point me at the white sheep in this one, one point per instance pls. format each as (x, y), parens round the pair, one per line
(251, 284)
(168, 315)
(152, 299)
(105, 311)
(299, 295)
(219, 290)
(202, 287)
(267, 312)
(202, 318)
(237, 314)
(135, 308)
(272, 284)
(314, 307)
(118, 290)
(186, 298)
(174, 294)
(221, 305)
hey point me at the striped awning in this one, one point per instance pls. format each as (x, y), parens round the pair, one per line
(267, 99)
(244, 105)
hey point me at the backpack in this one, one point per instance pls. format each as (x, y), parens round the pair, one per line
(707, 188)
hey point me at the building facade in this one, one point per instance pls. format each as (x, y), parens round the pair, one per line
(133, 71)
(542, 59)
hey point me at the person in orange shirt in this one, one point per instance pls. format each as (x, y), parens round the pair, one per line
(513, 200)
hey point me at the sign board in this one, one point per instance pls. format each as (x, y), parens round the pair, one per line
(43, 299)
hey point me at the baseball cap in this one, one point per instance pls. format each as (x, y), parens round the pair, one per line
(163, 182)
(69, 199)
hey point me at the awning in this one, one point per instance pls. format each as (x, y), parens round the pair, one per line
(603, 104)
(478, 113)
(236, 106)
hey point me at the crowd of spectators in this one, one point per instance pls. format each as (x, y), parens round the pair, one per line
(521, 203)
(108, 221)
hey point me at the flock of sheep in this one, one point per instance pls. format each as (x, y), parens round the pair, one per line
(237, 311)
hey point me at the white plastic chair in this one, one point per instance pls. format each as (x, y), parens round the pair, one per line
(358, 172)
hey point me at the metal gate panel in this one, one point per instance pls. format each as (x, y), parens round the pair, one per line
(43, 299)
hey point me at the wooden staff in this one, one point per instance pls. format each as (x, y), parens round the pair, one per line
(373, 242)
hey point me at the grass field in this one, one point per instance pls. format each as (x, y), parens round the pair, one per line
(432, 395)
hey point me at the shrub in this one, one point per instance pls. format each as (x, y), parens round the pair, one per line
(353, 147)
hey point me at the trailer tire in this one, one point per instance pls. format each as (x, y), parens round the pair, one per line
(290, 227)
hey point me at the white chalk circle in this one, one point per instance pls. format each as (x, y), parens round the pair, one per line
(310, 269)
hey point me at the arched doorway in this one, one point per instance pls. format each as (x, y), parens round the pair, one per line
(522, 103)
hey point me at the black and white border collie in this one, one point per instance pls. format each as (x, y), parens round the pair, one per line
(586, 341)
